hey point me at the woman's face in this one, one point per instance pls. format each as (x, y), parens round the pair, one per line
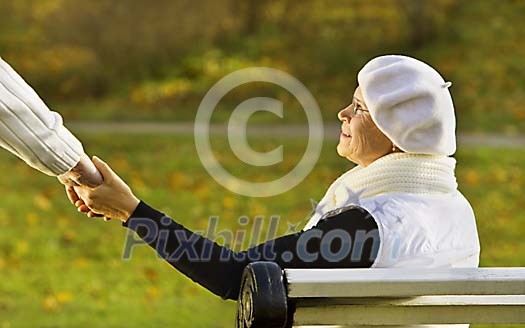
(360, 140)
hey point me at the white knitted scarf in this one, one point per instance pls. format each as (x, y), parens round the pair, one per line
(393, 173)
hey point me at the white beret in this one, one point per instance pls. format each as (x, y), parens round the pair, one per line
(410, 103)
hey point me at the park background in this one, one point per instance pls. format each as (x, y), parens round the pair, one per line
(153, 61)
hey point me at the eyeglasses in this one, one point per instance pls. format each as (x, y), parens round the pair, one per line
(355, 107)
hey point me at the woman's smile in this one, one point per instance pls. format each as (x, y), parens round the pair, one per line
(345, 131)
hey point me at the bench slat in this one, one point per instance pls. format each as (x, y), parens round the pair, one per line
(419, 310)
(399, 282)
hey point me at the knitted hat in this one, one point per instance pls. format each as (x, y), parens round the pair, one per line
(410, 103)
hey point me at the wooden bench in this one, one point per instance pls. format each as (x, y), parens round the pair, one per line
(271, 297)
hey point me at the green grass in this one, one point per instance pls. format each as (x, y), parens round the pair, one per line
(60, 269)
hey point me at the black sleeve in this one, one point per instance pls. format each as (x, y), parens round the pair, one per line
(348, 238)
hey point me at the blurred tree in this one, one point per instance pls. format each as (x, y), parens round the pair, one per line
(161, 53)
(423, 18)
(251, 13)
(135, 37)
(420, 22)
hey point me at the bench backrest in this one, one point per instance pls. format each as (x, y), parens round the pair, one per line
(271, 297)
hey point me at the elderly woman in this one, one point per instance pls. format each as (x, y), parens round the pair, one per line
(398, 207)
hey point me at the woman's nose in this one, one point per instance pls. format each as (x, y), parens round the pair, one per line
(343, 115)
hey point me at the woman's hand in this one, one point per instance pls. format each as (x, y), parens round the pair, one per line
(113, 199)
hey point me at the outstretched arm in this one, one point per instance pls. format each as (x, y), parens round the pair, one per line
(348, 238)
(29, 130)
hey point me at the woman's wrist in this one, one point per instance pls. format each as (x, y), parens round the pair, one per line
(130, 207)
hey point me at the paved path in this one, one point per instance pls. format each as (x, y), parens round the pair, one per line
(289, 130)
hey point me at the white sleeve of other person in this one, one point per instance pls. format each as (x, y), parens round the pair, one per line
(30, 130)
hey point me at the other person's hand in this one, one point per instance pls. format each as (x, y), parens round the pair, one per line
(84, 173)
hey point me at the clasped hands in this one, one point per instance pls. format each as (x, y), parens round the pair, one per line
(109, 196)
